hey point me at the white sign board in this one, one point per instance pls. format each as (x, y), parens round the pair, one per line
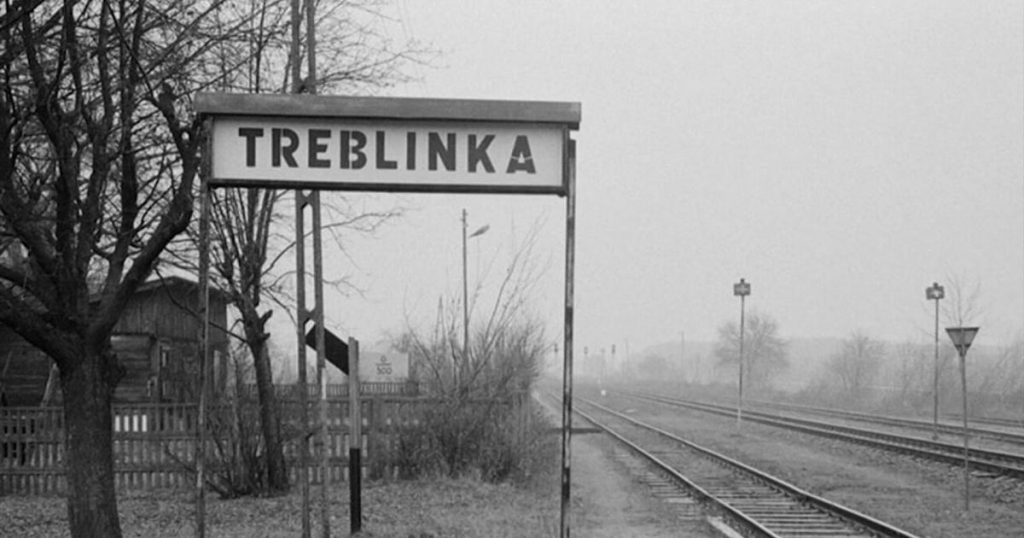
(381, 367)
(382, 144)
(324, 152)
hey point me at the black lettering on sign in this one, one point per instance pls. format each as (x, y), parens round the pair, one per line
(478, 153)
(354, 150)
(250, 134)
(284, 151)
(348, 150)
(316, 148)
(410, 150)
(521, 159)
(435, 149)
(382, 162)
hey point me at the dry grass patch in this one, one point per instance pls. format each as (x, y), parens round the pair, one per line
(449, 508)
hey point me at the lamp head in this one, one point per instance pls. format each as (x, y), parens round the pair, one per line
(935, 292)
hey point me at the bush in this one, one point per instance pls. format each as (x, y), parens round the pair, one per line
(237, 467)
(496, 441)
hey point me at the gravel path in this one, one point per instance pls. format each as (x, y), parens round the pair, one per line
(612, 502)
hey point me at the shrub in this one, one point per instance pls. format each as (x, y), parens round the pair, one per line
(494, 440)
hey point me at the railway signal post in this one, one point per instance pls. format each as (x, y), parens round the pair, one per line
(741, 289)
(962, 338)
(935, 292)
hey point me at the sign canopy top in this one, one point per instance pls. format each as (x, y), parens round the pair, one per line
(388, 108)
(388, 144)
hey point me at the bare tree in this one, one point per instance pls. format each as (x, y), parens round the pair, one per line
(962, 305)
(454, 371)
(1003, 375)
(249, 226)
(98, 164)
(911, 371)
(857, 362)
(765, 353)
(507, 350)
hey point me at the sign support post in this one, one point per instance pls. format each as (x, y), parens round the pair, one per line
(355, 444)
(301, 201)
(321, 365)
(204, 343)
(570, 267)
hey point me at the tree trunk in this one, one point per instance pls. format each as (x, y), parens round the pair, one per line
(89, 449)
(269, 422)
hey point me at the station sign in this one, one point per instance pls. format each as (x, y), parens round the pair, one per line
(388, 144)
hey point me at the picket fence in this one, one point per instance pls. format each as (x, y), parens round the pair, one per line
(154, 444)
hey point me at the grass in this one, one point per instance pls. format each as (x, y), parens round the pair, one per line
(421, 508)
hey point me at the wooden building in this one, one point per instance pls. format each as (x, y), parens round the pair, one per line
(156, 340)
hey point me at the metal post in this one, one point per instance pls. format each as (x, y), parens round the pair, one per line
(311, 47)
(935, 383)
(300, 326)
(962, 338)
(741, 289)
(300, 287)
(465, 305)
(570, 248)
(318, 286)
(204, 339)
(967, 450)
(739, 404)
(936, 292)
(321, 364)
(355, 446)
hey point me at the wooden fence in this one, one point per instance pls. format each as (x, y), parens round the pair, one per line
(154, 444)
(288, 391)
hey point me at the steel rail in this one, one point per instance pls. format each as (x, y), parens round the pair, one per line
(991, 461)
(859, 521)
(900, 422)
(991, 421)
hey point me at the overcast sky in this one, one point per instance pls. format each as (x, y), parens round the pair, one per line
(841, 156)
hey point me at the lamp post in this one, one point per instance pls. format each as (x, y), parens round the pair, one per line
(935, 292)
(465, 288)
(962, 338)
(741, 289)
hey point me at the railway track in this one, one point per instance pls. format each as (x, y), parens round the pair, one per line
(992, 421)
(907, 423)
(752, 501)
(997, 463)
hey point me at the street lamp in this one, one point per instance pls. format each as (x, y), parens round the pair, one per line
(962, 338)
(741, 289)
(465, 287)
(935, 292)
